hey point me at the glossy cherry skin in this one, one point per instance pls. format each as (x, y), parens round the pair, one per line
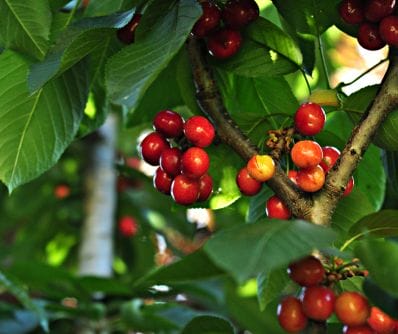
(276, 209)
(169, 123)
(184, 190)
(126, 34)
(352, 11)
(195, 162)
(291, 316)
(199, 131)
(246, 184)
(170, 161)
(306, 153)
(369, 36)
(162, 181)
(388, 29)
(311, 179)
(239, 13)
(375, 10)
(380, 322)
(349, 187)
(358, 330)
(224, 43)
(318, 302)
(352, 308)
(330, 156)
(308, 271)
(309, 119)
(261, 167)
(292, 175)
(209, 20)
(205, 187)
(152, 147)
(128, 226)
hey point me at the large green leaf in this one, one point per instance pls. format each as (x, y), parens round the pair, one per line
(206, 324)
(264, 246)
(382, 224)
(164, 29)
(25, 26)
(270, 286)
(37, 128)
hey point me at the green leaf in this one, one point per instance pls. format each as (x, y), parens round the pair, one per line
(359, 101)
(164, 29)
(381, 298)
(270, 286)
(390, 160)
(25, 26)
(257, 205)
(380, 257)
(264, 246)
(207, 324)
(34, 132)
(381, 224)
(76, 42)
(106, 7)
(20, 293)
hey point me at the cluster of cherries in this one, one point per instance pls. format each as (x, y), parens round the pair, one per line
(224, 41)
(312, 160)
(181, 172)
(378, 24)
(318, 302)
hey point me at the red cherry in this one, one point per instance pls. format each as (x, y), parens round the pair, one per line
(369, 36)
(224, 43)
(185, 190)
(306, 153)
(291, 316)
(205, 187)
(162, 181)
(349, 187)
(388, 29)
(358, 330)
(330, 156)
(309, 119)
(292, 175)
(128, 226)
(195, 162)
(380, 322)
(170, 161)
(352, 11)
(169, 123)
(311, 179)
(375, 10)
(308, 271)
(199, 131)
(61, 191)
(209, 20)
(126, 33)
(247, 185)
(352, 308)
(275, 208)
(239, 13)
(318, 302)
(152, 147)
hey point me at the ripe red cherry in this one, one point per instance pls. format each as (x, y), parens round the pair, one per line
(330, 156)
(292, 175)
(246, 184)
(126, 33)
(358, 330)
(318, 302)
(380, 322)
(306, 153)
(369, 36)
(311, 179)
(152, 147)
(169, 123)
(209, 20)
(239, 13)
(61, 191)
(388, 29)
(170, 161)
(162, 181)
(349, 187)
(308, 271)
(199, 131)
(275, 208)
(291, 316)
(309, 119)
(375, 10)
(195, 162)
(352, 11)
(185, 190)
(205, 187)
(224, 43)
(128, 226)
(352, 308)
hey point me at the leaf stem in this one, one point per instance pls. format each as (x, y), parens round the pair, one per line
(72, 13)
(323, 60)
